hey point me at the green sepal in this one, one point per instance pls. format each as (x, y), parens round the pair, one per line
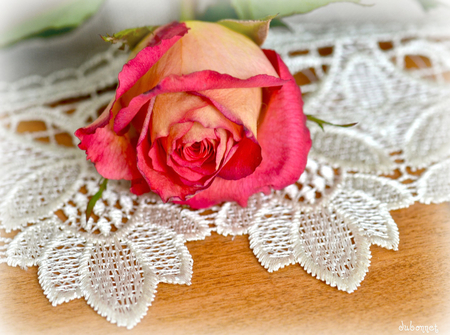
(256, 30)
(321, 123)
(60, 20)
(97, 196)
(130, 37)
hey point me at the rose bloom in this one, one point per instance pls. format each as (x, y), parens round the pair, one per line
(202, 115)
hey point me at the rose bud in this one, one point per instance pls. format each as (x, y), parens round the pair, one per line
(202, 115)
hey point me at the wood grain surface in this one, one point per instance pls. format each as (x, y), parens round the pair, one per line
(232, 294)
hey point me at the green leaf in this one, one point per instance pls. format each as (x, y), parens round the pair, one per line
(256, 9)
(222, 9)
(130, 37)
(429, 4)
(321, 123)
(256, 30)
(250, 9)
(58, 21)
(97, 196)
(278, 23)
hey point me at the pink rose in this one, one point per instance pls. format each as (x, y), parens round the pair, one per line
(202, 115)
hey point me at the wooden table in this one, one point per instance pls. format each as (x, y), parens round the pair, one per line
(231, 293)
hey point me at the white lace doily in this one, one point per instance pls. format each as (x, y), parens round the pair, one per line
(398, 153)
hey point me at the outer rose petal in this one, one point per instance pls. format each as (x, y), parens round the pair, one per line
(211, 46)
(194, 82)
(101, 122)
(133, 79)
(114, 156)
(285, 143)
(207, 47)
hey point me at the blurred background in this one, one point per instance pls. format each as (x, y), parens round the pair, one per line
(42, 56)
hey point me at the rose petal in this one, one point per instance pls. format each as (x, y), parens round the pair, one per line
(114, 156)
(211, 46)
(189, 176)
(244, 161)
(217, 48)
(170, 182)
(183, 107)
(194, 82)
(158, 157)
(197, 133)
(177, 131)
(146, 123)
(133, 79)
(159, 150)
(169, 109)
(165, 185)
(240, 105)
(101, 121)
(225, 145)
(195, 163)
(139, 186)
(284, 141)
